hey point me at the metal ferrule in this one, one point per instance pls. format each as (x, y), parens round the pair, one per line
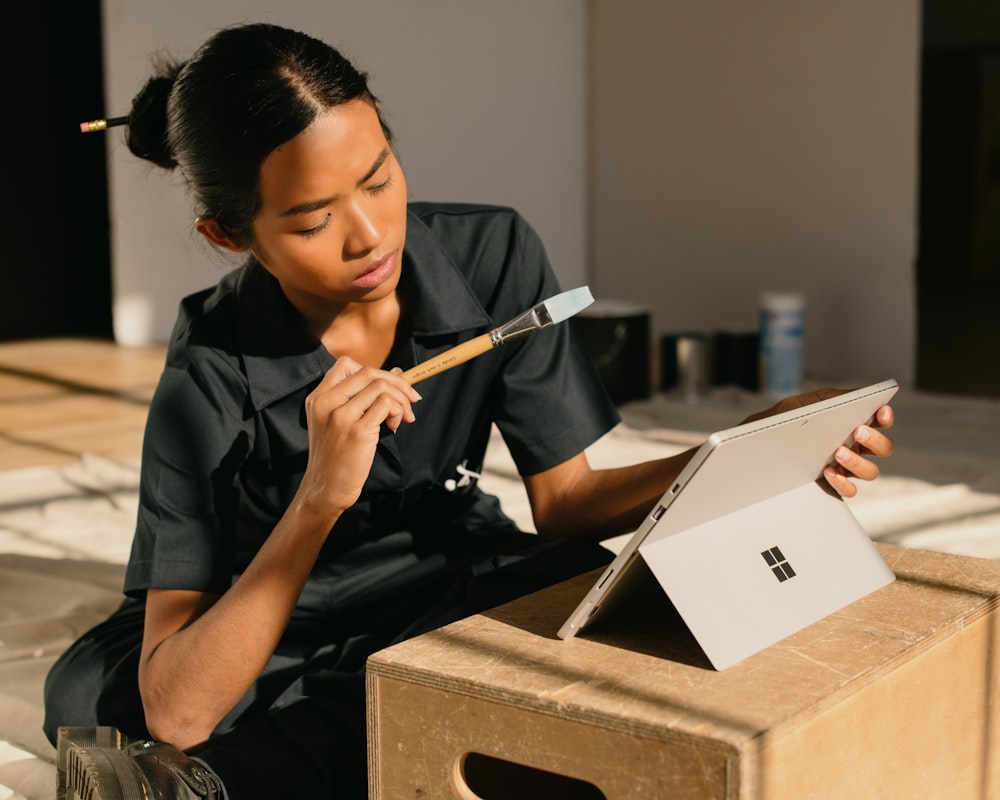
(530, 320)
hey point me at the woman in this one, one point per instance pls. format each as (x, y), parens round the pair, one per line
(295, 512)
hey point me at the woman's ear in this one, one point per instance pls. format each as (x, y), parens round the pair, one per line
(213, 231)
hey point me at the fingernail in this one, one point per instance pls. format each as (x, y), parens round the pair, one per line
(396, 370)
(842, 455)
(862, 434)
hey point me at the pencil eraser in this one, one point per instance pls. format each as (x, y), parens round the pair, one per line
(84, 127)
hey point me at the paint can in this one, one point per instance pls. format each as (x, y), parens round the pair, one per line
(616, 336)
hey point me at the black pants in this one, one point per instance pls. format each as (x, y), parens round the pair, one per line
(305, 738)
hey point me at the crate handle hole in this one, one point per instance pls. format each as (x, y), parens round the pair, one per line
(491, 778)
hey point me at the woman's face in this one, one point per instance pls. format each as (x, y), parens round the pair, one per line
(332, 221)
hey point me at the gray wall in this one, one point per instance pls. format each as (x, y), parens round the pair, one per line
(738, 147)
(680, 155)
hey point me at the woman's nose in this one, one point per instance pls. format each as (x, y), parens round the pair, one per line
(364, 232)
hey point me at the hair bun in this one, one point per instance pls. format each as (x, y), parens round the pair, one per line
(147, 125)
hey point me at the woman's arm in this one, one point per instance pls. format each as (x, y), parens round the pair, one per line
(202, 652)
(571, 499)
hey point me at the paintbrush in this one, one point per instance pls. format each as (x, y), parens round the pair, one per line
(548, 312)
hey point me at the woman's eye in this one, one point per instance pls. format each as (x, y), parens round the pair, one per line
(378, 188)
(315, 229)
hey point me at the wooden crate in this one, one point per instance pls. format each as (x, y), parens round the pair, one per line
(893, 697)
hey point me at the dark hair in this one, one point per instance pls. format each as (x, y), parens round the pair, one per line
(247, 90)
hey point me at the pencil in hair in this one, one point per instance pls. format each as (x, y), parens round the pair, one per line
(101, 124)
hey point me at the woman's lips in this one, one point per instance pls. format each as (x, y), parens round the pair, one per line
(377, 274)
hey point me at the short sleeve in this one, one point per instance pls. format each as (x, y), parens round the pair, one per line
(550, 404)
(194, 443)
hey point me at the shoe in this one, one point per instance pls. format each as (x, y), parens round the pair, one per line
(102, 737)
(140, 770)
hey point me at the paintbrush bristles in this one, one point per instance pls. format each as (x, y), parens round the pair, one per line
(565, 305)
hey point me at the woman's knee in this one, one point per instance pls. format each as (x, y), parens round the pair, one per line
(95, 681)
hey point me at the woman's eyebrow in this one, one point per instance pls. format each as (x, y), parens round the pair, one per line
(315, 205)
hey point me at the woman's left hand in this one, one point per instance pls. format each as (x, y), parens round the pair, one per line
(851, 463)
(855, 461)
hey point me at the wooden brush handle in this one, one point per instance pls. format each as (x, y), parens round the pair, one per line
(449, 358)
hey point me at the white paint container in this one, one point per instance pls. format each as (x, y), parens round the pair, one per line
(782, 337)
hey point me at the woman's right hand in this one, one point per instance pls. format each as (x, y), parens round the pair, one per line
(345, 414)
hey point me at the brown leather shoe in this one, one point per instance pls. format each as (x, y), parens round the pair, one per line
(140, 771)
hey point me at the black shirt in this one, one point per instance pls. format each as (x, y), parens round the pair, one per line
(226, 443)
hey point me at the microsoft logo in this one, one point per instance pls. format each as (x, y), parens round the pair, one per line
(779, 564)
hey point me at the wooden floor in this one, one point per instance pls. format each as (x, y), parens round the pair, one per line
(61, 398)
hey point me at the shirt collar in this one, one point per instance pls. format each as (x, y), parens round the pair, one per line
(281, 357)
(439, 298)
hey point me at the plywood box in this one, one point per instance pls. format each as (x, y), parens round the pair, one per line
(896, 696)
